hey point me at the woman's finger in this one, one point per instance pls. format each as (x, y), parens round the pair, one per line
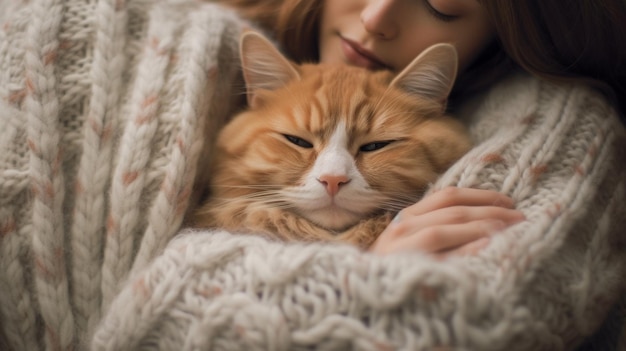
(406, 223)
(453, 196)
(439, 238)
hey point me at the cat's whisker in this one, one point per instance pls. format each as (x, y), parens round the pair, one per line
(250, 204)
(258, 195)
(250, 186)
(398, 204)
(267, 201)
(265, 197)
(411, 199)
(393, 207)
(395, 201)
(266, 193)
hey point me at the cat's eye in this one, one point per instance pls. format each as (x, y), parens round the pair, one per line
(298, 141)
(374, 146)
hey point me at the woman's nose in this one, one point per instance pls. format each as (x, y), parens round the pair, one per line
(379, 19)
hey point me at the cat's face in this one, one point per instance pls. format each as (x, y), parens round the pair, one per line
(335, 144)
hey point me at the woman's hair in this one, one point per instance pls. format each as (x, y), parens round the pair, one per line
(293, 23)
(573, 40)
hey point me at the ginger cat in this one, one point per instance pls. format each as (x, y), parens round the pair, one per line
(331, 152)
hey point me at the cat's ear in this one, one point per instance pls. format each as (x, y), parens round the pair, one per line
(264, 67)
(430, 75)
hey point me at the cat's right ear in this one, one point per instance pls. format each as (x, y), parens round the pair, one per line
(264, 67)
(431, 75)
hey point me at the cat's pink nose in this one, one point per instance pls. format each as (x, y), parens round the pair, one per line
(333, 183)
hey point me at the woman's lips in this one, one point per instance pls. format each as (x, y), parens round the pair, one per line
(358, 56)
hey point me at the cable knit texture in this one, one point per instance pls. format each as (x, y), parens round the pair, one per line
(106, 108)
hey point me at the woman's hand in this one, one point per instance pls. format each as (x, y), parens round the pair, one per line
(449, 221)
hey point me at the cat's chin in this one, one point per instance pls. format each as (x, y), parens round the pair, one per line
(333, 218)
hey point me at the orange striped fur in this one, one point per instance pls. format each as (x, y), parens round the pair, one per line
(330, 152)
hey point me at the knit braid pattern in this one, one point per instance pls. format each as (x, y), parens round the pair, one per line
(104, 107)
(105, 110)
(544, 284)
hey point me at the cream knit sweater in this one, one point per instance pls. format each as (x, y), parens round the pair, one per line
(104, 105)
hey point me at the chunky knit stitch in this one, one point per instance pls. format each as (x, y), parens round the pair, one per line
(103, 108)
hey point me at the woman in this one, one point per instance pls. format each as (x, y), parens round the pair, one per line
(493, 38)
(104, 105)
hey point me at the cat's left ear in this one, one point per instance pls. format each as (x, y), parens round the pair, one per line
(264, 67)
(430, 75)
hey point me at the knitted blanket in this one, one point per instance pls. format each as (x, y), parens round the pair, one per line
(106, 108)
